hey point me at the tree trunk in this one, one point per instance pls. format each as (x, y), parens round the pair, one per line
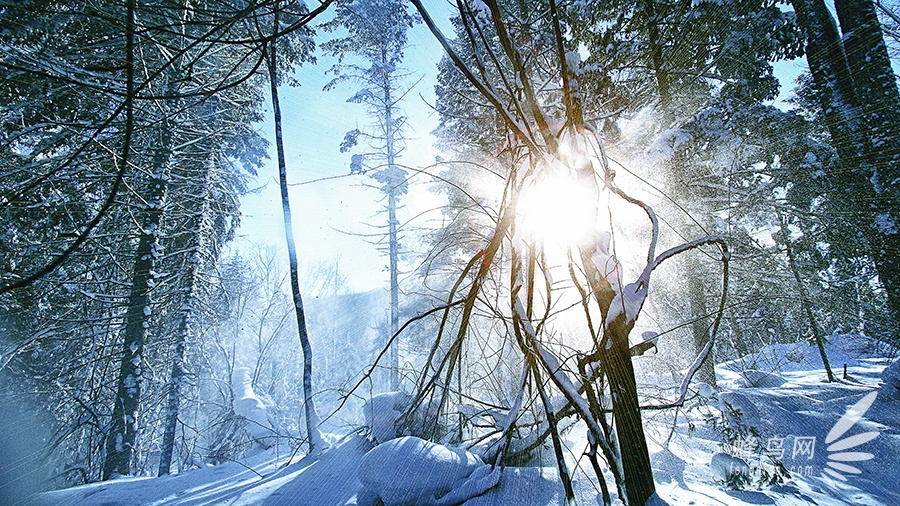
(740, 344)
(392, 232)
(177, 376)
(876, 88)
(873, 76)
(120, 440)
(804, 297)
(395, 290)
(616, 360)
(866, 185)
(656, 60)
(186, 327)
(699, 327)
(312, 418)
(615, 357)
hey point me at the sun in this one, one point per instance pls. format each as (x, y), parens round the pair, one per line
(556, 210)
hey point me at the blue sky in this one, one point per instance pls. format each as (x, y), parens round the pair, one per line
(326, 213)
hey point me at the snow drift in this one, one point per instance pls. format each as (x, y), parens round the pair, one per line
(410, 471)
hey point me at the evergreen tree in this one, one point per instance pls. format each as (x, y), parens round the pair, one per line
(860, 127)
(376, 34)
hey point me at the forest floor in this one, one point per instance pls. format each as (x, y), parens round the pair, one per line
(795, 411)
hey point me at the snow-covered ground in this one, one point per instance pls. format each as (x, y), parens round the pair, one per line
(792, 410)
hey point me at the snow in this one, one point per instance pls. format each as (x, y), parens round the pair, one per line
(755, 378)
(481, 10)
(629, 301)
(410, 471)
(725, 467)
(890, 378)
(573, 62)
(249, 406)
(382, 413)
(885, 224)
(853, 422)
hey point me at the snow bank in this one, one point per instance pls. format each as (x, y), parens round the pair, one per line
(411, 471)
(248, 405)
(798, 357)
(891, 379)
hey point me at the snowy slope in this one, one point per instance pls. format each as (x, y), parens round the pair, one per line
(802, 407)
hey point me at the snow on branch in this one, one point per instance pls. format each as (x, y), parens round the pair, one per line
(692, 370)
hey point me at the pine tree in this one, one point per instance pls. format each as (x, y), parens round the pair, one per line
(377, 35)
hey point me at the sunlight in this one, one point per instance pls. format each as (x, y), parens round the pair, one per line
(556, 210)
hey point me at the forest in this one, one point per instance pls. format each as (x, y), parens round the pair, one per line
(435, 252)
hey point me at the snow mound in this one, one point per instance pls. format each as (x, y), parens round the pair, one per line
(739, 409)
(384, 416)
(249, 406)
(727, 467)
(841, 349)
(655, 500)
(754, 378)
(383, 411)
(410, 471)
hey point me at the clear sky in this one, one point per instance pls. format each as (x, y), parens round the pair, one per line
(326, 213)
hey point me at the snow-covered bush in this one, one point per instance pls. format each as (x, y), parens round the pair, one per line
(733, 471)
(384, 416)
(411, 471)
(737, 423)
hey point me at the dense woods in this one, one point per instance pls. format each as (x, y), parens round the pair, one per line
(621, 194)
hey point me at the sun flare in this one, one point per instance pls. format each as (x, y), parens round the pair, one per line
(557, 211)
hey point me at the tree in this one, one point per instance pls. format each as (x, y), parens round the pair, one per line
(377, 34)
(547, 135)
(206, 185)
(314, 437)
(126, 81)
(750, 164)
(857, 121)
(675, 57)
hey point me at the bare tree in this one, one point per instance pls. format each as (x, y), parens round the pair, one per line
(312, 418)
(540, 143)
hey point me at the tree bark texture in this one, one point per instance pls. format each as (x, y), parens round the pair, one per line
(120, 440)
(869, 176)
